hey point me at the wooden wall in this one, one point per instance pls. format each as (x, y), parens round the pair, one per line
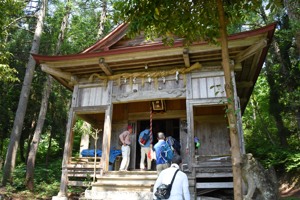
(207, 85)
(213, 134)
(92, 95)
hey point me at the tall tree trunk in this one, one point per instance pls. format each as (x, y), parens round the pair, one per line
(37, 135)
(281, 57)
(294, 15)
(43, 109)
(102, 19)
(11, 154)
(234, 137)
(276, 107)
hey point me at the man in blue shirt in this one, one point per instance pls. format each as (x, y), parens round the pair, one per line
(144, 141)
(161, 163)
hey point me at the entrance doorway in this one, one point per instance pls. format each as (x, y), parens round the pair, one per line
(170, 127)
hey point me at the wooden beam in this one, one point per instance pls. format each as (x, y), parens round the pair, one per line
(90, 109)
(56, 72)
(129, 57)
(186, 57)
(104, 66)
(250, 51)
(166, 115)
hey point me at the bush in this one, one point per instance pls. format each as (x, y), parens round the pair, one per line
(46, 181)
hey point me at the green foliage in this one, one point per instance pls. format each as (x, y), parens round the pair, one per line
(293, 162)
(192, 20)
(46, 180)
(260, 132)
(7, 74)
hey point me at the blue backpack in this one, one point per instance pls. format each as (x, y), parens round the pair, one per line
(145, 138)
(166, 152)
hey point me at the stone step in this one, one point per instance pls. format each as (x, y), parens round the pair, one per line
(121, 187)
(124, 184)
(127, 176)
(119, 195)
(125, 181)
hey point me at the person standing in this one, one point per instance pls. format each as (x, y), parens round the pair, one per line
(161, 163)
(144, 141)
(125, 140)
(180, 187)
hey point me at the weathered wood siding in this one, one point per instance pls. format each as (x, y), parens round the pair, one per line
(143, 90)
(92, 95)
(202, 85)
(207, 85)
(213, 134)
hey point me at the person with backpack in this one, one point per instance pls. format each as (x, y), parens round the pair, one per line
(178, 184)
(160, 148)
(144, 141)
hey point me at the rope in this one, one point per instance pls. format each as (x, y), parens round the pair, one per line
(151, 137)
(143, 75)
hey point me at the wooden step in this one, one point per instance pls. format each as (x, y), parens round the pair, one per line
(125, 181)
(129, 174)
(129, 186)
(214, 185)
(117, 195)
(214, 175)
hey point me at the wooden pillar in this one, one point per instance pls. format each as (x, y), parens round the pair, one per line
(67, 149)
(234, 137)
(106, 141)
(189, 151)
(133, 138)
(239, 115)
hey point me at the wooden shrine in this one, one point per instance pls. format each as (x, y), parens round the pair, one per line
(120, 81)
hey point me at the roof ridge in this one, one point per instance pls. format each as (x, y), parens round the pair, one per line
(111, 37)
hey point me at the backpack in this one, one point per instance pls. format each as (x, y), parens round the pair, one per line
(166, 152)
(175, 144)
(145, 138)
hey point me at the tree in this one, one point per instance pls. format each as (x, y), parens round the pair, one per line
(282, 68)
(10, 160)
(10, 12)
(43, 110)
(103, 18)
(273, 136)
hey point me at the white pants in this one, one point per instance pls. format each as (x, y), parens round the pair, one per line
(161, 167)
(144, 151)
(125, 157)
